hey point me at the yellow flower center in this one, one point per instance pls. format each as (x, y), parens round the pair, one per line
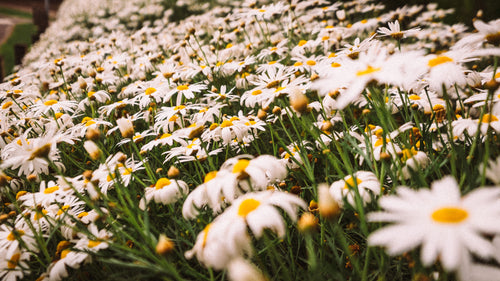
(93, 243)
(205, 235)
(439, 60)
(62, 210)
(336, 64)
(311, 62)
(182, 87)
(247, 206)
(367, 71)
(414, 97)
(162, 183)
(210, 176)
(6, 105)
(302, 43)
(12, 234)
(149, 91)
(297, 63)
(408, 153)
(256, 92)
(380, 141)
(179, 107)
(449, 215)
(82, 214)
(488, 118)
(14, 260)
(64, 253)
(50, 102)
(240, 166)
(51, 189)
(226, 123)
(349, 183)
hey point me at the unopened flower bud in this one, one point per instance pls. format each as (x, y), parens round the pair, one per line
(299, 101)
(327, 205)
(165, 245)
(93, 134)
(92, 149)
(173, 172)
(307, 223)
(126, 128)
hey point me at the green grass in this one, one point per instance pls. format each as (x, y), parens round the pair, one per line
(20, 35)
(15, 13)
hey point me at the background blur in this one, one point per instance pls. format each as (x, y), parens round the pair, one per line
(22, 21)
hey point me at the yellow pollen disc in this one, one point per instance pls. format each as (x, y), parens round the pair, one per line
(210, 176)
(364, 21)
(166, 135)
(256, 92)
(379, 132)
(438, 107)
(182, 87)
(408, 153)
(336, 64)
(205, 235)
(311, 62)
(162, 183)
(380, 141)
(6, 105)
(349, 183)
(332, 55)
(58, 115)
(439, 60)
(302, 43)
(247, 206)
(40, 215)
(297, 63)
(449, 215)
(213, 126)
(127, 171)
(414, 97)
(14, 260)
(51, 189)
(50, 102)
(488, 118)
(324, 38)
(279, 89)
(240, 166)
(82, 214)
(272, 62)
(90, 94)
(226, 123)
(62, 210)
(20, 91)
(250, 123)
(149, 91)
(12, 236)
(93, 243)
(179, 107)
(329, 27)
(20, 193)
(64, 253)
(497, 76)
(368, 70)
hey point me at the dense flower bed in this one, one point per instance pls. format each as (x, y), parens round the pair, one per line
(250, 141)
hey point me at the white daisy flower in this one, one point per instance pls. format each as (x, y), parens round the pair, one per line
(365, 182)
(445, 224)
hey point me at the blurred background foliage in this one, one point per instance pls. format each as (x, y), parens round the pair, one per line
(465, 10)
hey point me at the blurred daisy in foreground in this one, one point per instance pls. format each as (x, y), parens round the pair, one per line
(447, 225)
(227, 237)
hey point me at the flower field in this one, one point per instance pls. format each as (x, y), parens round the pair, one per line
(244, 140)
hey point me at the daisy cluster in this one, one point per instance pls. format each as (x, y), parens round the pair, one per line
(252, 140)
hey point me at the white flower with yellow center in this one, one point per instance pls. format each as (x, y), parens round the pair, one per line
(445, 224)
(366, 184)
(227, 236)
(166, 191)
